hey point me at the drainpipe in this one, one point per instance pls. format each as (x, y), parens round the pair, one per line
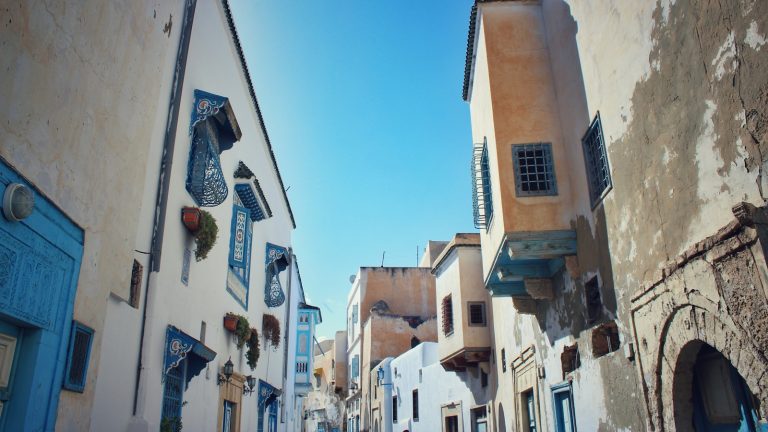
(164, 179)
(292, 261)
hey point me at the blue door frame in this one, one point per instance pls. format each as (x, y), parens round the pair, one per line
(41, 258)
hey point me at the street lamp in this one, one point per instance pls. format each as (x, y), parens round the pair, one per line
(380, 376)
(250, 385)
(228, 370)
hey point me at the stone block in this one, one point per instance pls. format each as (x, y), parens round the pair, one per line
(524, 305)
(539, 288)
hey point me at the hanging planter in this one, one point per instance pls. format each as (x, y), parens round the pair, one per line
(270, 329)
(230, 322)
(190, 216)
(252, 356)
(242, 331)
(205, 236)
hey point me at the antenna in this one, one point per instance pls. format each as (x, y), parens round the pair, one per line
(382, 258)
(417, 255)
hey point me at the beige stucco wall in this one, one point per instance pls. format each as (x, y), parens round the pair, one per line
(406, 290)
(81, 83)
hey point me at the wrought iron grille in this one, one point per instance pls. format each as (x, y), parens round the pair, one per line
(173, 394)
(205, 180)
(482, 205)
(80, 348)
(534, 169)
(596, 159)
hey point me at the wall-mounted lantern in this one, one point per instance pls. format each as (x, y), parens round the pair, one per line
(250, 385)
(227, 371)
(18, 202)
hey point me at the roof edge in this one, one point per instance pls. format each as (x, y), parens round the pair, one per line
(244, 65)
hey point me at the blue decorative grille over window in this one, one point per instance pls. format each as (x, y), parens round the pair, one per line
(240, 254)
(267, 397)
(78, 356)
(276, 261)
(482, 204)
(534, 169)
(214, 129)
(598, 172)
(249, 200)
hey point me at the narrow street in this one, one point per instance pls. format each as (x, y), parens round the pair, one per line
(398, 216)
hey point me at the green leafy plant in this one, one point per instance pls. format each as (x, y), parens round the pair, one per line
(252, 356)
(170, 424)
(243, 331)
(270, 328)
(205, 236)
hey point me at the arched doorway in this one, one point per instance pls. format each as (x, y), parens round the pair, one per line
(502, 424)
(710, 394)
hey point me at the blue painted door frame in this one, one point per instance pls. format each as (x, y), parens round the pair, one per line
(39, 267)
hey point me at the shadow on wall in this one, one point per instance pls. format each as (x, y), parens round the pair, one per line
(584, 292)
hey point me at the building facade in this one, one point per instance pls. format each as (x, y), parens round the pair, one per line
(325, 404)
(74, 149)
(618, 190)
(389, 310)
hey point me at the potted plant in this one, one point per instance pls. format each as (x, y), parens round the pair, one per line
(170, 424)
(252, 356)
(205, 236)
(190, 216)
(270, 329)
(230, 322)
(242, 331)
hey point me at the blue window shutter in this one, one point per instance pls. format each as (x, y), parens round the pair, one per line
(238, 250)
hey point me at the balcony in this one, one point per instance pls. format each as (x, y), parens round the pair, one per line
(464, 337)
(526, 262)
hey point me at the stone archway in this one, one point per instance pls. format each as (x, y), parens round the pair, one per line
(686, 331)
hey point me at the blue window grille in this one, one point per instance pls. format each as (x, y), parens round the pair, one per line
(240, 241)
(482, 203)
(205, 180)
(562, 398)
(80, 341)
(173, 392)
(534, 169)
(247, 196)
(596, 159)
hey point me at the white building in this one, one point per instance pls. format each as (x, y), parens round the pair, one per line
(414, 393)
(166, 353)
(354, 353)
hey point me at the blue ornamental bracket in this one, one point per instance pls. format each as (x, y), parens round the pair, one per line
(267, 393)
(276, 261)
(177, 346)
(215, 107)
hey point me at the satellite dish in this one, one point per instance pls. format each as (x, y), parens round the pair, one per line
(351, 278)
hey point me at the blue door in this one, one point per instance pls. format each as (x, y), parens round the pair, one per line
(531, 410)
(564, 413)
(39, 266)
(272, 418)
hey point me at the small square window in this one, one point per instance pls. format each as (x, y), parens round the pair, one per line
(596, 159)
(534, 169)
(447, 312)
(78, 356)
(477, 314)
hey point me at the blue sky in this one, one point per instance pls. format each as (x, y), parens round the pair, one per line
(362, 102)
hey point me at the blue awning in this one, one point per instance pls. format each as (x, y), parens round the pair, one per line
(179, 346)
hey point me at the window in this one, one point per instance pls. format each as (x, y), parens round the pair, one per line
(534, 169)
(173, 392)
(452, 423)
(503, 360)
(564, 413)
(594, 303)
(605, 339)
(596, 159)
(354, 315)
(447, 310)
(394, 409)
(529, 411)
(355, 367)
(483, 378)
(479, 419)
(570, 359)
(240, 252)
(477, 314)
(482, 203)
(415, 342)
(77, 358)
(136, 275)
(416, 405)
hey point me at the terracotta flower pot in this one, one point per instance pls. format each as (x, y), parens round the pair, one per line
(230, 323)
(190, 216)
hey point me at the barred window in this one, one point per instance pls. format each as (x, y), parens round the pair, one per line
(447, 311)
(78, 356)
(596, 159)
(534, 169)
(482, 203)
(477, 314)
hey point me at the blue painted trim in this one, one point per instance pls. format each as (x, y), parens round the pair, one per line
(44, 351)
(71, 385)
(564, 387)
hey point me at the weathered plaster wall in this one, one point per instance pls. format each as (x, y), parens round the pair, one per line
(82, 81)
(323, 406)
(407, 290)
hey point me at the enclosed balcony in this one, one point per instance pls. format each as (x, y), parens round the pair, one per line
(464, 337)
